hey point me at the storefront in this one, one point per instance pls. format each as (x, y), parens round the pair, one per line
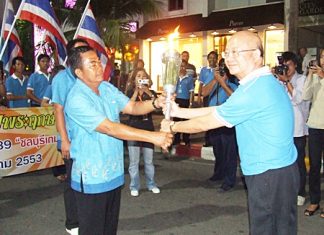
(200, 35)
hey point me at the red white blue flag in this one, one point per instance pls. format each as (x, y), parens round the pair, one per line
(90, 32)
(13, 48)
(40, 12)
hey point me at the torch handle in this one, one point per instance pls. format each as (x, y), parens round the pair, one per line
(168, 106)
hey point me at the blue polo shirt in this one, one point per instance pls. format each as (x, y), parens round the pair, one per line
(17, 87)
(38, 83)
(98, 159)
(206, 75)
(61, 86)
(262, 114)
(48, 94)
(184, 86)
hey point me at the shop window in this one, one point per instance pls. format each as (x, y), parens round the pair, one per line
(220, 43)
(175, 5)
(274, 45)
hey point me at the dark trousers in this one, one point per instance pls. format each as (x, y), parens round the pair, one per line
(300, 143)
(185, 137)
(272, 201)
(59, 170)
(225, 151)
(316, 150)
(98, 213)
(71, 211)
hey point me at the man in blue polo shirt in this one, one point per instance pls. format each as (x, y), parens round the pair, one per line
(262, 114)
(38, 81)
(16, 85)
(92, 115)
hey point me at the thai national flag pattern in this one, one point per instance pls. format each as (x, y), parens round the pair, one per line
(41, 13)
(13, 48)
(59, 47)
(90, 32)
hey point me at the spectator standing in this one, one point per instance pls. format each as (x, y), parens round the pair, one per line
(141, 92)
(218, 88)
(293, 81)
(184, 89)
(190, 68)
(305, 58)
(263, 117)
(38, 81)
(16, 85)
(92, 110)
(314, 92)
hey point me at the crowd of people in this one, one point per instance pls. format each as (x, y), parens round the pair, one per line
(251, 113)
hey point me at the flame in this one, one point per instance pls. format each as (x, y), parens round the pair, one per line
(173, 36)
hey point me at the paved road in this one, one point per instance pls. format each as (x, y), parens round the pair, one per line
(32, 204)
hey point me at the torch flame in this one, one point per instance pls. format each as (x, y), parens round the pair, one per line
(173, 36)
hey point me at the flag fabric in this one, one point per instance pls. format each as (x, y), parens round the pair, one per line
(41, 13)
(89, 31)
(13, 48)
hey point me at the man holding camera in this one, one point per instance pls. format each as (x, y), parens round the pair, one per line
(291, 77)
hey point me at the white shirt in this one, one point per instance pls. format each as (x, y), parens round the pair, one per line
(307, 58)
(300, 106)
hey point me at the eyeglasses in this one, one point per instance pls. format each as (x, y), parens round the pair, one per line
(234, 53)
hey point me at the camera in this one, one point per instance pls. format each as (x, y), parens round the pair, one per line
(222, 70)
(142, 82)
(312, 63)
(281, 69)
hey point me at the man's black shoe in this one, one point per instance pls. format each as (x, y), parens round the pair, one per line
(215, 178)
(224, 188)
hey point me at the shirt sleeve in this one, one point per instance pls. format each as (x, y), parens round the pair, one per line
(9, 86)
(296, 97)
(30, 83)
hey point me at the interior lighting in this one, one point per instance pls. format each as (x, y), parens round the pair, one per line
(149, 39)
(272, 26)
(232, 31)
(162, 38)
(192, 35)
(215, 33)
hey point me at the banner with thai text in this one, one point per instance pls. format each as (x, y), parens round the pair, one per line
(28, 139)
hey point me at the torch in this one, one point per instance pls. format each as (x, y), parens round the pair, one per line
(170, 68)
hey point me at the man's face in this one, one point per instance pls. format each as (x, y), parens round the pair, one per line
(239, 57)
(183, 70)
(19, 66)
(212, 60)
(91, 71)
(291, 68)
(302, 52)
(44, 64)
(185, 57)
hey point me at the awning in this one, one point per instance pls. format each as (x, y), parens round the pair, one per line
(237, 18)
(191, 23)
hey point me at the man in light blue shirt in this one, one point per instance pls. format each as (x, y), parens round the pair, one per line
(38, 81)
(16, 85)
(262, 114)
(92, 115)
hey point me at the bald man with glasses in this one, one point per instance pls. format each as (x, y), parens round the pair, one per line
(262, 114)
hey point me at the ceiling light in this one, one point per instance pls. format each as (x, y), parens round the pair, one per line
(162, 38)
(251, 29)
(192, 35)
(272, 26)
(232, 31)
(215, 33)
(149, 39)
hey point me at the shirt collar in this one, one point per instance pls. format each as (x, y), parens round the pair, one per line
(265, 70)
(14, 76)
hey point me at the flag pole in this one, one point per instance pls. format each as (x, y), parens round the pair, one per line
(82, 19)
(4, 18)
(79, 26)
(11, 28)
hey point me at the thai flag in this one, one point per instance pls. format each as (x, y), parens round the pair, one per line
(13, 48)
(41, 13)
(90, 32)
(59, 47)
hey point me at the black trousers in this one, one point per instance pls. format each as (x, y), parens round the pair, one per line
(98, 213)
(316, 150)
(71, 211)
(272, 201)
(185, 137)
(225, 151)
(300, 143)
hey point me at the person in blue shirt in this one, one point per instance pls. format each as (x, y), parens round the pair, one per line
(61, 86)
(262, 114)
(223, 140)
(184, 89)
(92, 111)
(38, 81)
(16, 85)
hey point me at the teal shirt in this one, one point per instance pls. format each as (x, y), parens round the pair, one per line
(262, 114)
(98, 159)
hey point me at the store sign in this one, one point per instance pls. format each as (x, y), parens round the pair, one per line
(311, 7)
(28, 140)
(233, 23)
